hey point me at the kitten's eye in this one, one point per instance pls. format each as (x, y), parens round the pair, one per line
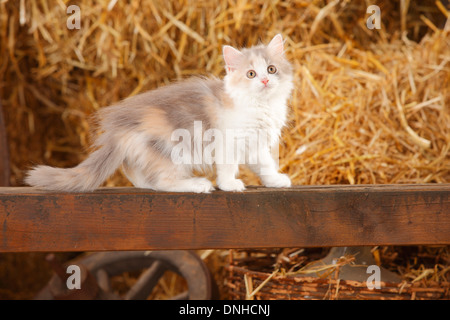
(271, 69)
(251, 74)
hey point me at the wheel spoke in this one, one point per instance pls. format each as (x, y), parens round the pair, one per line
(103, 280)
(146, 282)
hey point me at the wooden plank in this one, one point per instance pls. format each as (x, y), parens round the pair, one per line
(301, 216)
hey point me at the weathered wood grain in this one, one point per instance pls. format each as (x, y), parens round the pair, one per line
(301, 216)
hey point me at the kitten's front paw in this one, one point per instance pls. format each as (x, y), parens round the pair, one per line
(279, 180)
(232, 185)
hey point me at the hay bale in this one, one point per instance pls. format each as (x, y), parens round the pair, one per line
(370, 106)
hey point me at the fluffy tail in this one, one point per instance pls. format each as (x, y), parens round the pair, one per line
(87, 176)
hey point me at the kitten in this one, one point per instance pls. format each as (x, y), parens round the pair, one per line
(143, 133)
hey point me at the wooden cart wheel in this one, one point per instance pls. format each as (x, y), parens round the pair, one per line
(98, 268)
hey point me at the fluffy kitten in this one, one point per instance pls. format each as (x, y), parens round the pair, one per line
(138, 132)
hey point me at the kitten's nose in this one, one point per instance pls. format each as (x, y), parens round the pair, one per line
(265, 81)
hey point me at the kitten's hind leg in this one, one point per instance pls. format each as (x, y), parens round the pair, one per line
(168, 177)
(193, 184)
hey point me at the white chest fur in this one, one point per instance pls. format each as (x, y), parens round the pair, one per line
(255, 113)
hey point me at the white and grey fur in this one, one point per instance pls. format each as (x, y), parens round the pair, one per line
(136, 132)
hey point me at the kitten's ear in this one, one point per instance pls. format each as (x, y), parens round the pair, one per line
(276, 45)
(231, 57)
